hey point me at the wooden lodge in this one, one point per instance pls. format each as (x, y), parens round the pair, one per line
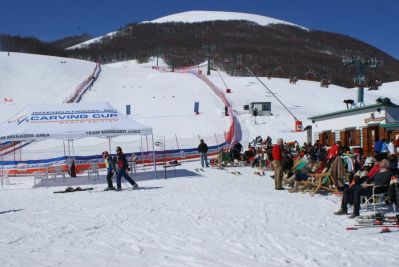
(359, 126)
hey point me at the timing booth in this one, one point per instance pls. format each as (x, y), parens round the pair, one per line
(70, 122)
(260, 108)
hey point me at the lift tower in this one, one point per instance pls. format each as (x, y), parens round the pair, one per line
(361, 64)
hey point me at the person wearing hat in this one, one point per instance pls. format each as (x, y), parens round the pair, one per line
(122, 170)
(203, 150)
(110, 166)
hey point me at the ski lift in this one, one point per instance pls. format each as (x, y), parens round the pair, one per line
(292, 78)
(374, 84)
(310, 74)
(359, 82)
(376, 62)
(325, 81)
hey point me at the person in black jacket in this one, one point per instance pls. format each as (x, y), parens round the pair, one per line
(235, 152)
(122, 170)
(203, 150)
(110, 166)
(380, 179)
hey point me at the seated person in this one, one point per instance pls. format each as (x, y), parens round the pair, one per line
(303, 174)
(223, 157)
(381, 178)
(257, 158)
(249, 155)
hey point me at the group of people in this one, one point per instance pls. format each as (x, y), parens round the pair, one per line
(386, 146)
(118, 165)
(261, 153)
(352, 175)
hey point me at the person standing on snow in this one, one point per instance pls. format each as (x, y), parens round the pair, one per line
(122, 170)
(203, 150)
(392, 147)
(277, 164)
(110, 166)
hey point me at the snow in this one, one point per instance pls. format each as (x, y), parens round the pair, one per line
(165, 101)
(304, 99)
(161, 100)
(92, 41)
(211, 218)
(35, 79)
(201, 16)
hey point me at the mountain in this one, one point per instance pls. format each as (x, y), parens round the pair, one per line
(199, 16)
(268, 46)
(72, 40)
(30, 45)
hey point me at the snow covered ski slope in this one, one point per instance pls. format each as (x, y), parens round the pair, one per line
(34, 79)
(211, 218)
(194, 218)
(304, 99)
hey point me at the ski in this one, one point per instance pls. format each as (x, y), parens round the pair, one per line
(358, 227)
(375, 221)
(71, 190)
(379, 216)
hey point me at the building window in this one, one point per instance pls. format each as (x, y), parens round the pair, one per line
(350, 137)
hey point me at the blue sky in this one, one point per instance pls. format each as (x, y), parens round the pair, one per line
(373, 21)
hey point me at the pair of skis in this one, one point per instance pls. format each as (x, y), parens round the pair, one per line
(71, 190)
(386, 224)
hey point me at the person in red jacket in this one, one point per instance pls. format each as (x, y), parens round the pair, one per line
(278, 168)
(334, 150)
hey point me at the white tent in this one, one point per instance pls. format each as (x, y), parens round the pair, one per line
(69, 122)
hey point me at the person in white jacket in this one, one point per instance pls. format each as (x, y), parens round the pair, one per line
(391, 147)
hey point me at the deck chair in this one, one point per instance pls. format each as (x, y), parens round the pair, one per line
(321, 181)
(299, 164)
(93, 172)
(223, 158)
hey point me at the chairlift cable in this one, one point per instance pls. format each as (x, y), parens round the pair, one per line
(267, 88)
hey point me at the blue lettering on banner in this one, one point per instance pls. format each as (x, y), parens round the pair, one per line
(72, 117)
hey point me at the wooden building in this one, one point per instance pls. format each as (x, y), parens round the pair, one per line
(359, 126)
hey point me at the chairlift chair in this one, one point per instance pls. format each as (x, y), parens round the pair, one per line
(325, 81)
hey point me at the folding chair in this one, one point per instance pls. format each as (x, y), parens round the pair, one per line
(58, 171)
(93, 172)
(38, 177)
(377, 198)
(133, 167)
(4, 179)
(322, 180)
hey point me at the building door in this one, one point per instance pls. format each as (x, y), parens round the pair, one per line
(373, 136)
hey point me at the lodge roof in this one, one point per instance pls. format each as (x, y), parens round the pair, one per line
(342, 113)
